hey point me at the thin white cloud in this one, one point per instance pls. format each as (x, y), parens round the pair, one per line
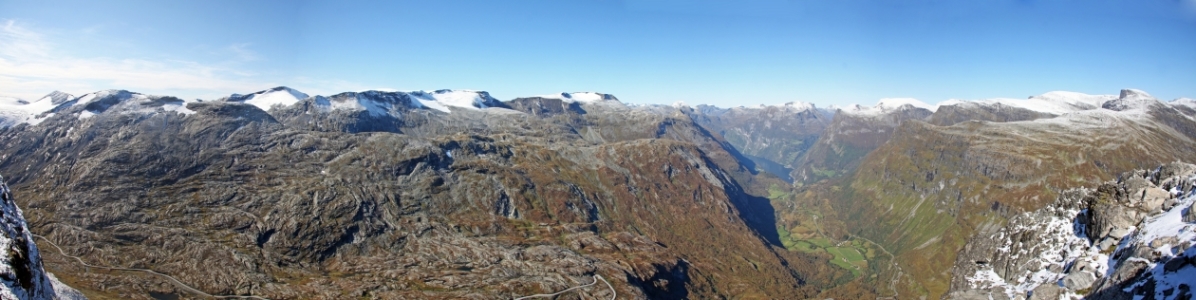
(16, 41)
(243, 52)
(30, 67)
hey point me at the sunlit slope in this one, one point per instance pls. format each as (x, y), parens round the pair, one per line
(850, 136)
(381, 194)
(923, 193)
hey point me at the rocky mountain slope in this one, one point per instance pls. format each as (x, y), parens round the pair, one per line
(853, 133)
(929, 188)
(445, 194)
(455, 194)
(774, 137)
(1126, 239)
(21, 273)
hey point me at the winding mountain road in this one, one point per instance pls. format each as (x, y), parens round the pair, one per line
(175, 281)
(613, 295)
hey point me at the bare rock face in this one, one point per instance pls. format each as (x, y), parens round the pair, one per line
(1046, 291)
(21, 272)
(1079, 280)
(1130, 99)
(1127, 238)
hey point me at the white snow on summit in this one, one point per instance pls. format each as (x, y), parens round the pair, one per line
(798, 105)
(14, 111)
(443, 99)
(282, 95)
(1061, 102)
(1189, 102)
(584, 97)
(358, 102)
(788, 106)
(885, 106)
(440, 100)
(1131, 99)
(1075, 99)
(895, 103)
(132, 103)
(1135, 94)
(1056, 103)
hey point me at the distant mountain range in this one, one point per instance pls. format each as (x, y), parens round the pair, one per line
(456, 194)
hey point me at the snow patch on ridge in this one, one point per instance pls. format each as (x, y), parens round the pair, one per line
(1189, 102)
(125, 102)
(1061, 248)
(1031, 104)
(376, 102)
(895, 103)
(794, 106)
(1165, 225)
(798, 105)
(362, 101)
(1075, 99)
(583, 97)
(443, 99)
(266, 99)
(1130, 99)
(15, 111)
(885, 106)
(1055, 103)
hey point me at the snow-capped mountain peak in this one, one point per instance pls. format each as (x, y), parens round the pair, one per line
(123, 101)
(1063, 102)
(1055, 103)
(1130, 99)
(375, 102)
(282, 95)
(584, 97)
(1189, 102)
(1074, 98)
(885, 106)
(895, 103)
(56, 97)
(1135, 94)
(16, 111)
(443, 99)
(798, 105)
(790, 107)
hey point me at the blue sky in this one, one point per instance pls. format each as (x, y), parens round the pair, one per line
(726, 53)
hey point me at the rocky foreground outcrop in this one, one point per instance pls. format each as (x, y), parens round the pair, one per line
(1130, 238)
(21, 272)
